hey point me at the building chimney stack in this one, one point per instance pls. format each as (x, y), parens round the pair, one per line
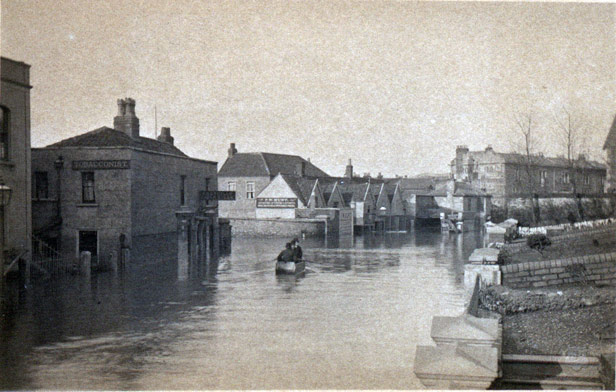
(232, 150)
(348, 173)
(121, 108)
(126, 120)
(165, 135)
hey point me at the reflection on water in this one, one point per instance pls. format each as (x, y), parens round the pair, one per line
(352, 321)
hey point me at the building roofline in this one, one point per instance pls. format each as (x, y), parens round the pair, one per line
(122, 148)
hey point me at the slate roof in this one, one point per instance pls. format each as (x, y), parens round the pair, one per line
(353, 191)
(264, 164)
(108, 137)
(610, 140)
(301, 186)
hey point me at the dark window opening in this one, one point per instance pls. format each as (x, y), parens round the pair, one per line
(87, 187)
(4, 133)
(183, 190)
(41, 185)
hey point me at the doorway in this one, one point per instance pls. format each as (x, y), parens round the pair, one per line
(88, 241)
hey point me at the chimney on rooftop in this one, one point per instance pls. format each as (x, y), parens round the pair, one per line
(232, 150)
(489, 148)
(348, 173)
(165, 135)
(300, 169)
(126, 120)
(380, 176)
(461, 154)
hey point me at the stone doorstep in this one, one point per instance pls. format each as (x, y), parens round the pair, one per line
(462, 366)
(566, 360)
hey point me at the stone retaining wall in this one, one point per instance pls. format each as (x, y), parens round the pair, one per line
(597, 269)
(276, 227)
(568, 236)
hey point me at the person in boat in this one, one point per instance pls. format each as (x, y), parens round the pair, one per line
(287, 254)
(297, 250)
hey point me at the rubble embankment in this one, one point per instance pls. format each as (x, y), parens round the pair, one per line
(507, 301)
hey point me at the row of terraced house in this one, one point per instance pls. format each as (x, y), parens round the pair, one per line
(273, 187)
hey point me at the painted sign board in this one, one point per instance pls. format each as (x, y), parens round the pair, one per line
(276, 202)
(101, 165)
(345, 222)
(216, 195)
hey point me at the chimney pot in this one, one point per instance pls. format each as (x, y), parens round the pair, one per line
(165, 135)
(121, 107)
(232, 150)
(348, 173)
(130, 106)
(126, 120)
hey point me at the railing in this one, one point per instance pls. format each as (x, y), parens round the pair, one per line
(46, 261)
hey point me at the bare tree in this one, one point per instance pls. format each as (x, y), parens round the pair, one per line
(525, 146)
(570, 134)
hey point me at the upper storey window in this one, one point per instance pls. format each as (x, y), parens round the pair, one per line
(4, 133)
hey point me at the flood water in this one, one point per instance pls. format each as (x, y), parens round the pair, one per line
(353, 321)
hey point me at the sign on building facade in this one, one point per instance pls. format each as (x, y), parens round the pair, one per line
(101, 165)
(216, 195)
(276, 202)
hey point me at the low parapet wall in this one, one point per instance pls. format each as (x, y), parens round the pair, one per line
(276, 227)
(575, 235)
(597, 269)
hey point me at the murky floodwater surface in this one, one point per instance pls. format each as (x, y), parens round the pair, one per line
(352, 321)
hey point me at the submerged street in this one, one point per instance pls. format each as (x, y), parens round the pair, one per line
(353, 320)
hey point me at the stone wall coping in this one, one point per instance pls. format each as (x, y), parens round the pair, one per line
(537, 265)
(465, 328)
(550, 359)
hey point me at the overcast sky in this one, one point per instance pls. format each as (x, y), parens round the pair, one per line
(393, 85)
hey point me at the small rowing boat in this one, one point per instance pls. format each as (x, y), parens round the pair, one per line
(290, 267)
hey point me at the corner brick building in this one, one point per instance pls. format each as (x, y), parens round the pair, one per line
(15, 157)
(90, 189)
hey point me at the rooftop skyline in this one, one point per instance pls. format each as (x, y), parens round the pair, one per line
(393, 85)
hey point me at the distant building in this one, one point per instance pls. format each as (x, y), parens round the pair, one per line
(92, 189)
(610, 148)
(427, 198)
(249, 173)
(505, 175)
(15, 169)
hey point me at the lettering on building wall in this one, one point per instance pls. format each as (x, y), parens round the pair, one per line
(101, 165)
(216, 195)
(276, 202)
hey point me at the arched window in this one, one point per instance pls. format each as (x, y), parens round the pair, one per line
(4, 133)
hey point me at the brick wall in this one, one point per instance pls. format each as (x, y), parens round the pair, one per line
(597, 269)
(276, 227)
